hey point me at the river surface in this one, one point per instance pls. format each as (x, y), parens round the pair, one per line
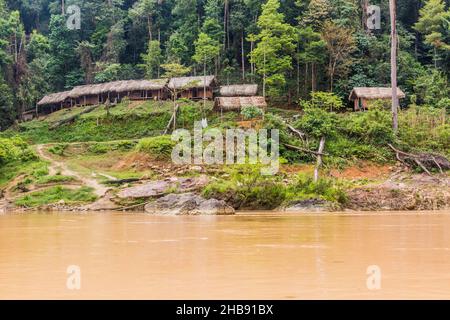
(247, 256)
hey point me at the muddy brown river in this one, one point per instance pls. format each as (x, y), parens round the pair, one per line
(247, 256)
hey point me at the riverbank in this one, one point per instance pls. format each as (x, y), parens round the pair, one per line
(81, 179)
(57, 165)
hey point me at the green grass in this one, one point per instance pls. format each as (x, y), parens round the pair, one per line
(55, 194)
(158, 147)
(11, 170)
(54, 179)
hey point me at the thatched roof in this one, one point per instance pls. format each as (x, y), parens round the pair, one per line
(236, 103)
(239, 90)
(373, 93)
(191, 82)
(54, 98)
(118, 86)
(137, 85)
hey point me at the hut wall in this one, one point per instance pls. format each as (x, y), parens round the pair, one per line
(196, 93)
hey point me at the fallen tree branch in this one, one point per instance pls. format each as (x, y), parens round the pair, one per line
(425, 161)
(301, 135)
(316, 153)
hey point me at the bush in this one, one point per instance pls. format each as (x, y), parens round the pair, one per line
(248, 189)
(158, 147)
(304, 188)
(56, 194)
(371, 127)
(15, 149)
(251, 112)
(58, 149)
(323, 100)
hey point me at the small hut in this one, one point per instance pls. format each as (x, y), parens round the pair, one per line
(361, 96)
(239, 90)
(237, 103)
(53, 102)
(193, 87)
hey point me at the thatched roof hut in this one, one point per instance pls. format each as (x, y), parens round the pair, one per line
(374, 93)
(236, 103)
(54, 98)
(140, 85)
(191, 82)
(118, 86)
(239, 90)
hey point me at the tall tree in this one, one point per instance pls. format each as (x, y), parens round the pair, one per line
(434, 24)
(395, 104)
(340, 45)
(276, 44)
(205, 50)
(152, 59)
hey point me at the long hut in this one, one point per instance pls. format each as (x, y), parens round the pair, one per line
(239, 90)
(362, 95)
(237, 103)
(117, 90)
(193, 87)
(53, 102)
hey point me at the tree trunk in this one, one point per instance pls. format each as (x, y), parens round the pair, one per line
(204, 86)
(365, 5)
(264, 74)
(243, 56)
(149, 26)
(63, 7)
(319, 159)
(392, 9)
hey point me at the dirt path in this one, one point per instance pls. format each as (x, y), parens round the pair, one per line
(59, 166)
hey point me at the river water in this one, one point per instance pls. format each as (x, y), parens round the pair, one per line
(247, 256)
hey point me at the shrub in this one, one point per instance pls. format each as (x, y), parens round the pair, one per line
(58, 149)
(14, 149)
(323, 100)
(248, 189)
(251, 112)
(372, 127)
(304, 188)
(159, 147)
(56, 194)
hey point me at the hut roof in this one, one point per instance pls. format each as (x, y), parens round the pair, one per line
(191, 82)
(54, 98)
(239, 90)
(118, 86)
(374, 93)
(235, 103)
(136, 85)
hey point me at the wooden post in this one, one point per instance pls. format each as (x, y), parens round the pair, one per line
(392, 9)
(319, 159)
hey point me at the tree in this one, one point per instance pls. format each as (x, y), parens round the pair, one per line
(276, 44)
(319, 124)
(434, 24)
(395, 104)
(173, 70)
(144, 10)
(152, 59)
(205, 50)
(312, 52)
(340, 45)
(324, 100)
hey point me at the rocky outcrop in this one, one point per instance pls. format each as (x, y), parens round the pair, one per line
(162, 187)
(309, 206)
(403, 192)
(188, 204)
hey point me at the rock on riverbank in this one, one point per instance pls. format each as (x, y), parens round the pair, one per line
(188, 204)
